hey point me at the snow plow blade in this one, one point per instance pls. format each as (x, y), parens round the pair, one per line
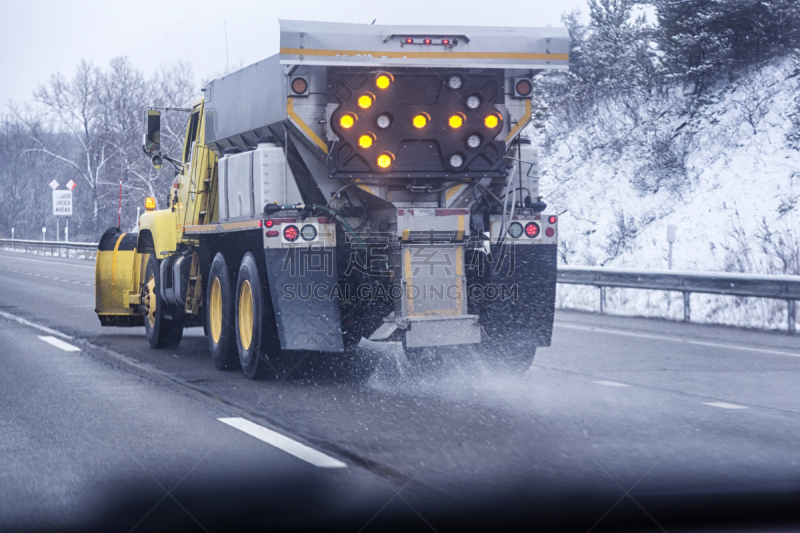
(118, 271)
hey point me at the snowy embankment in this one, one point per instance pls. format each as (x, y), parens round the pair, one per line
(719, 168)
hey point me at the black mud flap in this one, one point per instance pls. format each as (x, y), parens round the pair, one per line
(302, 286)
(513, 292)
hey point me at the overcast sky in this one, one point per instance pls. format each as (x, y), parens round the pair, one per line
(39, 38)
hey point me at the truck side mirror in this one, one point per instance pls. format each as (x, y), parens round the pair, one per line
(152, 137)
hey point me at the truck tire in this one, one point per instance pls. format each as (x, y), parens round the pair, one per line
(249, 315)
(161, 331)
(219, 314)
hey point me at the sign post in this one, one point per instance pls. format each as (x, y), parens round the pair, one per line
(671, 234)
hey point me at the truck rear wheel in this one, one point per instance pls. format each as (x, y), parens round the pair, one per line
(219, 314)
(161, 331)
(249, 315)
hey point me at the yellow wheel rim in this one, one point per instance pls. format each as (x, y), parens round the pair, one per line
(150, 300)
(215, 310)
(246, 315)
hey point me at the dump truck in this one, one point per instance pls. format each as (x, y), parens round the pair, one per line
(366, 182)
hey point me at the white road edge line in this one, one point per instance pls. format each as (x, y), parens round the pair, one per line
(28, 323)
(724, 405)
(282, 442)
(58, 343)
(610, 383)
(672, 339)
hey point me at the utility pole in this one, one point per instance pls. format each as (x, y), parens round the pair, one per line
(671, 231)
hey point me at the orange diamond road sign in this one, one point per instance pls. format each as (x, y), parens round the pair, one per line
(71, 185)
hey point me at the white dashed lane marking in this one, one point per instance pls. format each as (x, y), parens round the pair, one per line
(282, 442)
(610, 383)
(724, 405)
(58, 343)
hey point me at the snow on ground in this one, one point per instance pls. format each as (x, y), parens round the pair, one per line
(718, 172)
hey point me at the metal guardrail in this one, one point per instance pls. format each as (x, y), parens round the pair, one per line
(89, 249)
(725, 283)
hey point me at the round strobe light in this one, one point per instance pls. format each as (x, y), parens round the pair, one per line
(365, 101)
(532, 230)
(365, 141)
(383, 122)
(454, 82)
(383, 81)
(474, 141)
(347, 120)
(308, 232)
(299, 86)
(456, 160)
(420, 121)
(385, 160)
(269, 223)
(456, 121)
(491, 121)
(473, 102)
(515, 230)
(291, 233)
(552, 219)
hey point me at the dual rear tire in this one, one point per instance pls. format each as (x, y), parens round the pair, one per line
(236, 314)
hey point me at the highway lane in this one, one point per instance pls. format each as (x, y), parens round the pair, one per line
(615, 405)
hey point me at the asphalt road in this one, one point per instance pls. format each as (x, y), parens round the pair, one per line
(623, 422)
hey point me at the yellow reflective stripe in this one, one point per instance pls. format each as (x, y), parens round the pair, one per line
(451, 191)
(460, 234)
(114, 264)
(407, 268)
(365, 187)
(424, 55)
(305, 127)
(460, 261)
(522, 122)
(406, 233)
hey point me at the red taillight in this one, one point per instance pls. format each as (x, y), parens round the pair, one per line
(291, 233)
(549, 232)
(427, 41)
(445, 41)
(409, 40)
(532, 229)
(269, 223)
(552, 219)
(273, 233)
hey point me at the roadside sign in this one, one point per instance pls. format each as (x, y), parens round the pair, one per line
(671, 233)
(54, 184)
(62, 203)
(71, 185)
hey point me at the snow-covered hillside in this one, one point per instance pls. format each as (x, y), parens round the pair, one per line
(720, 168)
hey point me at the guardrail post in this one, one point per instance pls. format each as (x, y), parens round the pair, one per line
(791, 316)
(687, 309)
(602, 300)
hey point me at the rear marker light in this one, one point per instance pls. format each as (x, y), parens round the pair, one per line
(473, 102)
(455, 121)
(524, 88)
(445, 41)
(299, 86)
(384, 121)
(427, 41)
(549, 232)
(347, 120)
(532, 229)
(454, 83)
(365, 101)
(365, 141)
(515, 230)
(383, 81)
(491, 121)
(291, 233)
(456, 160)
(419, 121)
(385, 160)
(473, 141)
(309, 232)
(552, 219)
(409, 40)
(269, 223)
